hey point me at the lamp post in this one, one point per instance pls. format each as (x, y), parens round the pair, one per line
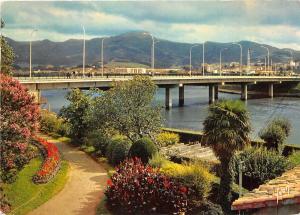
(291, 52)
(83, 52)
(152, 52)
(30, 50)
(221, 59)
(268, 67)
(203, 61)
(191, 58)
(241, 56)
(102, 57)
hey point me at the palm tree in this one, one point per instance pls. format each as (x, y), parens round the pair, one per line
(226, 130)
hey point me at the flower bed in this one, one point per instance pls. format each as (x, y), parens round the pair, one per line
(139, 189)
(51, 162)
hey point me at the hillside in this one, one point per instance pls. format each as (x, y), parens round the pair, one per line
(135, 47)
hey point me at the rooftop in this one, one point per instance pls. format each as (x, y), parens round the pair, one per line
(284, 190)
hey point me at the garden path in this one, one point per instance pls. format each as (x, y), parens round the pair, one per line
(84, 189)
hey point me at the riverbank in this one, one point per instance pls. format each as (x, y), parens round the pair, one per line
(255, 94)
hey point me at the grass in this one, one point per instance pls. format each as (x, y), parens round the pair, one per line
(295, 158)
(25, 196)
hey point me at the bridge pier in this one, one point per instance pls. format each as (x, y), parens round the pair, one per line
(271, 90)
(181, 95)
(216, 92)
(37, 95)
(211, 93)
(168, 98)
(244, 91)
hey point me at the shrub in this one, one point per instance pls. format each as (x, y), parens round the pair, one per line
(259, 166)
(193, 175)
(19, 117)
(51, 123)
(295, 158)
(139, 189)
(167, 138)
(117, 150)
(143, 149)
(274, 136)
(99, 141)
(285, 124)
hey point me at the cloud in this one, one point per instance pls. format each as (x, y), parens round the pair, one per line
(276, 22)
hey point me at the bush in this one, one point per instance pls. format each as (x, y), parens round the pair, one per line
(51, 123)
(295, 158)
(143, 149)
(276, 133)
(99, 141)
(259, 166)
(167, 138)
(117, 150)
(139, 189)
(19, 117)
(193, 175)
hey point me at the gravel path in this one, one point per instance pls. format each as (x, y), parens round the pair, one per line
(83, 190)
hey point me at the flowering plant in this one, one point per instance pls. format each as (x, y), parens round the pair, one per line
(51, 162)
(142, 189)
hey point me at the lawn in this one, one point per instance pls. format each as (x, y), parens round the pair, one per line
(24, 195)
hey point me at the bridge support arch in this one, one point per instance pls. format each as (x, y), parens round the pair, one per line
(211, 93)
(168, 98)
(37, 95)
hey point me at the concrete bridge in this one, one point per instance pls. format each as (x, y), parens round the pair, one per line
(35, 85)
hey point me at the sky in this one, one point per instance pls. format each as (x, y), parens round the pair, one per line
(273, 22)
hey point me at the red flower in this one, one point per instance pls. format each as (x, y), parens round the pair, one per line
(183, 189)
(109, 183)
(150, 180)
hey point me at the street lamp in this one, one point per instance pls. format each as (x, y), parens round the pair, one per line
(203, 61)
(268, 56)
(291, 52)
(83, 52)
(221, 59)
(152, 51)
(241, 57)
(30, 50)
(191, 58)
(102, 57)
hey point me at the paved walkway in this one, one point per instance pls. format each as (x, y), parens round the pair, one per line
(83, 190)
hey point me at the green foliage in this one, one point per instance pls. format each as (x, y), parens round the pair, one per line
(77, 114)
(295, 158)
(226, 130)
(128, 108)
(285, 124)
(99, 140)
(274, 136)
(193, 175)
(117, 150)
(7, 57)
(51, 123)
(167, 138)
(144, 149)
(259, 166)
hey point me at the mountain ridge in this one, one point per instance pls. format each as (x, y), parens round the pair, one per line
(136, 47)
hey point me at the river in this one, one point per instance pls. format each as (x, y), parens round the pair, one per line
(191, 116)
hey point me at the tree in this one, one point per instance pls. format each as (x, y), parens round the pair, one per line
(7, 54)
(19, 117)
(226, 130)
(76, 114)
(276, 133)
(128, 108)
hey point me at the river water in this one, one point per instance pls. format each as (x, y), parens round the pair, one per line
(191, 116)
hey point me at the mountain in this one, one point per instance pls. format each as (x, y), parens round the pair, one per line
(136, 47)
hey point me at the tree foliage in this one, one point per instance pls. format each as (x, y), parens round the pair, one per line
(128, 108)
(7, 54)
(226, 130)
(19, 116)
(276, 133)
(259, 165)
(76, 114)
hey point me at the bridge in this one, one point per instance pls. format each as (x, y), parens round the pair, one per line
(36, 84)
